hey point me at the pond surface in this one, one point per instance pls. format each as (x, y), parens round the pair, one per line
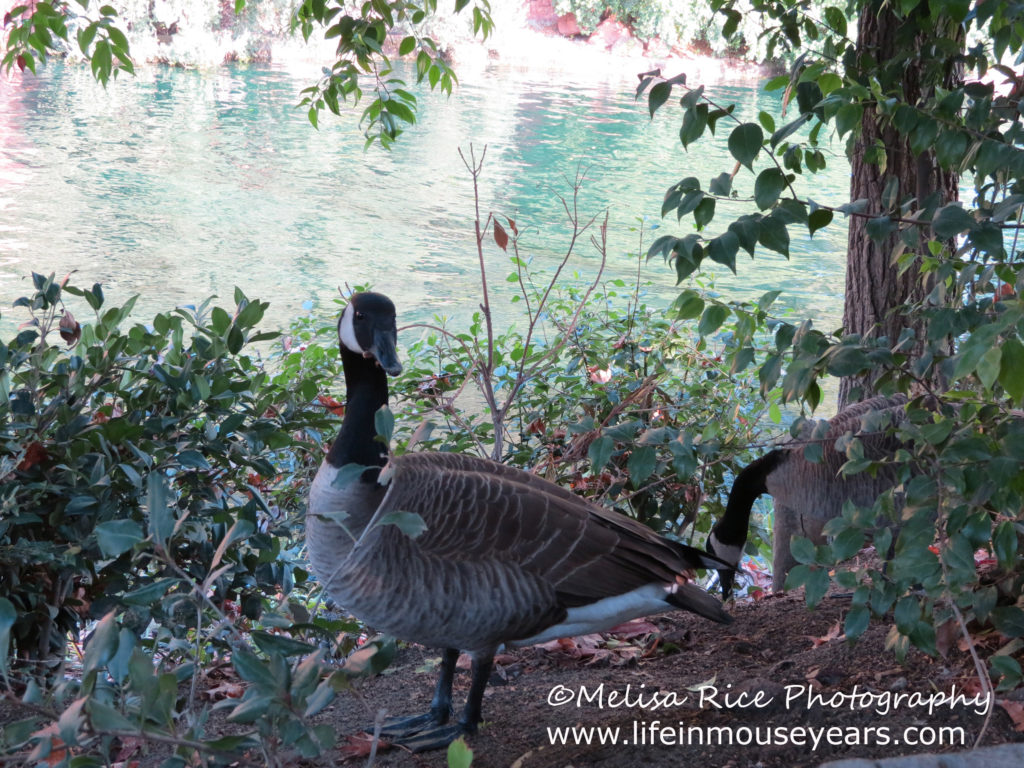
(179, 184)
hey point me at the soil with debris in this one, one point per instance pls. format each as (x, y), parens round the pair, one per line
(786, 680)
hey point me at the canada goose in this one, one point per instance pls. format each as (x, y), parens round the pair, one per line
(506, 557)
(808, 494)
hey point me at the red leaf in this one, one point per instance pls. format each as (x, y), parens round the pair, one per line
(331, 404)
(34, 454)
(70, 330)
(512, 225)
(500, 236)
(20, 61)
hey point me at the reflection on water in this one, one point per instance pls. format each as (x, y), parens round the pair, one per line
(177, 184)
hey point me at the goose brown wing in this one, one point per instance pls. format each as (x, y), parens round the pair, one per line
(478, 510)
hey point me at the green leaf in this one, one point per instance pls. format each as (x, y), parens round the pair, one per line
(71, 722)
(789, 129)
(828, 82)
(747, 229)
(816, 586)
(848, 118)
(1011, 369)
(989, 366)
(818, 219)
(161, 515)
(950, 221)
(193, 459)
(409, 523)
(7, 618)
(249, 710)
(774, 235)
(704, 212)
(1008, 670)
(641, 464)
(906, 614)
(118, 536)
(847, 544)
(252, 669)
(599, 452)
(712, 319)
(769, 185)
(688, 305)
(370, 659)
(857, 619)
(879, 228)
(723, 249)
(101, 645)
(1004, 544)
(459, 754)
(836, 19)
(285, 646)
(1009, 620)
(802, 550)
(320, 698)
(407, 45)
(348, 474)
(721, 185)
(384, 423)
(745, 142)
(695, 120)
(103, 717)
(658, 96)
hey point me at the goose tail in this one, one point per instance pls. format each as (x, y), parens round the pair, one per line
(692, 598)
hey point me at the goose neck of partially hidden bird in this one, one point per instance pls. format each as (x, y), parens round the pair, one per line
(366, 386)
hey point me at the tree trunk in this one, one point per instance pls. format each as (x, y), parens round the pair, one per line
(874, 287)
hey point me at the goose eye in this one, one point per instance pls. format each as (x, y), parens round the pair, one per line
(360, 315)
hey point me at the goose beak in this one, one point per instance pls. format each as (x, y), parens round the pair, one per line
(384, 352)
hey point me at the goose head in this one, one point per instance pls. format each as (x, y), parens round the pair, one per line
(367, 328)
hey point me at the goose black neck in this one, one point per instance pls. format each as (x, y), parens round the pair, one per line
(749, 484)
(366, 386)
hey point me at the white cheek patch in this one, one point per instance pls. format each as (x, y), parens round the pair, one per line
(347, 331)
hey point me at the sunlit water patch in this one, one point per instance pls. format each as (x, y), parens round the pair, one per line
(178, 184)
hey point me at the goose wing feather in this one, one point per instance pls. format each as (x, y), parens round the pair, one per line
(478, 510)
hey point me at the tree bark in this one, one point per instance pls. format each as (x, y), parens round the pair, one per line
(888, 50)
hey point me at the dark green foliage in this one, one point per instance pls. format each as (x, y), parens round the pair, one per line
(152, 479)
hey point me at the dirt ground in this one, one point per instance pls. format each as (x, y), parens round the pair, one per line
(787, 672)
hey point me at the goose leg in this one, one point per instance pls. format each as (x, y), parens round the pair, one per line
(398, 728)
(443, 735)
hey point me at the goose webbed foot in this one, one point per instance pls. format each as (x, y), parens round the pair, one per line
(431, 731)
(399, 730)
(437, 737)
(396, 729)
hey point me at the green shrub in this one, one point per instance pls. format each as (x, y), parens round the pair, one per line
(154, 480)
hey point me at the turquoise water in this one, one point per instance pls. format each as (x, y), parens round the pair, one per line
(179, 184)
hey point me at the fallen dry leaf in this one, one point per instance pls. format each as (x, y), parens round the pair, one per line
(634, 628)
(946, 636)
(225, 691)
(834, 633)
(1015, 710)
(360, 745)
